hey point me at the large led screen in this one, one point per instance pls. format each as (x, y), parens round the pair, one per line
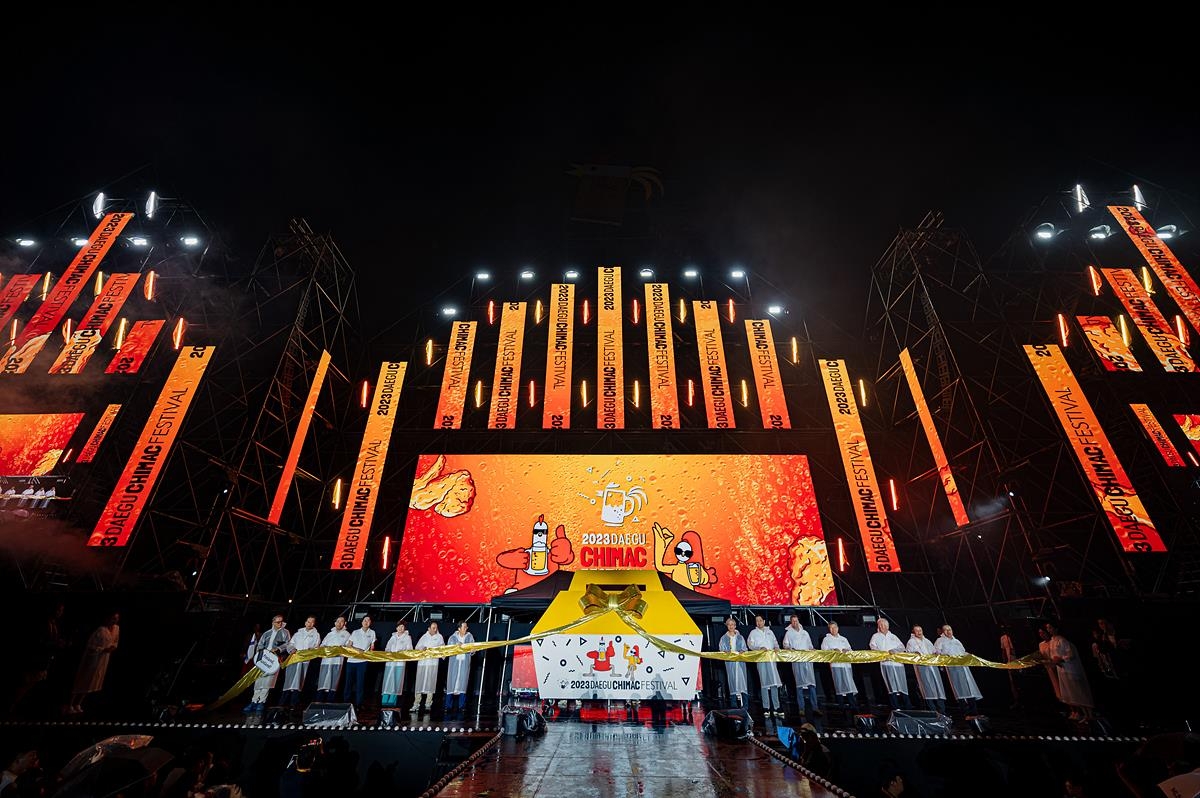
(32, 444)
(740, 527)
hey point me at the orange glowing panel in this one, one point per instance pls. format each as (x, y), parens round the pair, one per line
(872, 518)
(660, 343)
(470, 530)
(363, 492)
(682, 311)
(18, 357)
(731, 316)
(610, 364)
(945, 474)
(895, 497)
(537, 312)
(637, 312)
(772, 403)
(491, 311)
(122, 331)
(177, 333)
(1094, 279)
(1119, 500)
(841, 555)
(86, 338)
(587, 312)
(1063, 335)
(149, 285)
(1181, 331)
(556, 402)
(364, 394)
(428, 351)
(457, 376)
(17, 291)
(1108, 344)
(67, 329)
(31, 444)
(99, 432)
(691, 393)
(302, 425)
(506, 384)
(1150, 321)
(1190, 424)
(532, 394)
(135, 486)
(387, 549)
(135, 347)
(1162, 260)
(1158, 436)
(712, 364)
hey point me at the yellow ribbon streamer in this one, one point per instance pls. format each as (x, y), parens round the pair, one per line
(630, 606)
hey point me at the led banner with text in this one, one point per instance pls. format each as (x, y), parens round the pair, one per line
(660, 343)
(457, 376)
(99, 433)
(100, 316)
(1190, 424)
(136, 483)
(31, 444)
(506, 383)
(714, 374)
(72, 282)
(935, 441)
(1162, 260)
(1158, 436)
(873, 527)
(1106, 341)
(480, 525)
(16, 292)
(362, 493)
(556, 406)
(1149, 320)
(135, 347)
(610, 365)
(302, 424)
(1122, 506)
(771, 400)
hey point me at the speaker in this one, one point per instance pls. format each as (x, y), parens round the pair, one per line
(864, 723)
(341, 715)
(917, 721)
(389, 717)
(728, 724)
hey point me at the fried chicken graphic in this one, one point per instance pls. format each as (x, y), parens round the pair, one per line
(449, 495)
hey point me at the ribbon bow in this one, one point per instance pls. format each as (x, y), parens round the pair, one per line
(597, 601)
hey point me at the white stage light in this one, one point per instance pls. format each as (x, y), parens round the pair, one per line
(151, 205)
(572, 274)
(646, 273)
(79, 242)
(483, 277)
(527, 274)
(737, 274)
(190, 241)
(26, 242)
(1045, 231)
(1100, 232)
(1168, 231)
(775, 310)
(1081, 199)
(139, 241)
(449, 310)
(691, 273)
(98, 205)
(1139, 201)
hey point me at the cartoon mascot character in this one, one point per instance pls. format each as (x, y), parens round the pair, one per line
(682, 561)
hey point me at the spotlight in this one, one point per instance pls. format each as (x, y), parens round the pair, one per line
(527, 274)
(151, 204)
(1139, 201)
(1168, 231)
(190, 241)
(26, 242)
(79, 242)
(449, 310)
(775, 310)
(483, 277)
(1041, 580)
(1100, 232)
(139, 241)
(572, 274)
(98, 205)
(1082, 203)
(737, 274)
(1045, 231)
(691, 273)
(646, 273)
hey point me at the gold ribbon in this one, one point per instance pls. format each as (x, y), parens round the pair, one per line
(630, 606)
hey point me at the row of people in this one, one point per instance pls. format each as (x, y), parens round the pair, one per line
(282, 644)
(796, 638)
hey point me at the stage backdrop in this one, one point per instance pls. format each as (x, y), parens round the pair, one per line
(32, 444)
(740, 527)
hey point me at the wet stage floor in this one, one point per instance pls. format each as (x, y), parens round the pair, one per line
(615, 760)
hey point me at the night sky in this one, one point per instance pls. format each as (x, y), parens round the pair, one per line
(430, 152)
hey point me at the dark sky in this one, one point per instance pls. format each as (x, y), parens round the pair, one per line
(429, 151)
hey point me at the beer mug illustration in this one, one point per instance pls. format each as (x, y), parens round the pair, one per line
(618, 504)
(693, 572)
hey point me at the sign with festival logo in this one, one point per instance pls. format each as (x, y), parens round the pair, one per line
(132, 354)
(771, 401)
(610, 363)
(15, 292)
(1150, 321)
(1162, 260)
(713, 369)
(945, 474)
(506, 383)
(457, 375)
(1190, 424)
(31, 444)
(873, 526)
(660, 343)
(556, 405)
(99, 317)
(99, 433)
(741, 527)
(1107, 344)
(1157, 435)
(1118, 498)
(618, 666)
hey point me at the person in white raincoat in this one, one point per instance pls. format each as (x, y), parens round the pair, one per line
(459, 672)
(763, 639)
(929, 678)
(1073, 685)
(962, 683)
(894, 678)
(735, 672)
(294, 675)
(94, 665)
(795, 638)
(393, 672)
(843, 672)
(331, 667)
(276, 641)
(427, 669)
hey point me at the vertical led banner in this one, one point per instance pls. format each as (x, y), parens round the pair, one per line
(506, 382)
(1158, 255)
(1149, 320)
(133, 351)
(1122, 506)
(556, 405)
(100, 316)
(88, 452)
(860, 474)
(1190, 424)
(16, 292)
(610, 366)
(136, 484)
(293, 456)
(1106, 341)
(935, 441)
(706, 317)
(660, 343)
(47, 318)
(1158, 436)
(363, 489)
(772, 402)
(457, 375)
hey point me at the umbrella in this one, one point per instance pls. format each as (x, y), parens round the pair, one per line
(94, 753)
(115, 772)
